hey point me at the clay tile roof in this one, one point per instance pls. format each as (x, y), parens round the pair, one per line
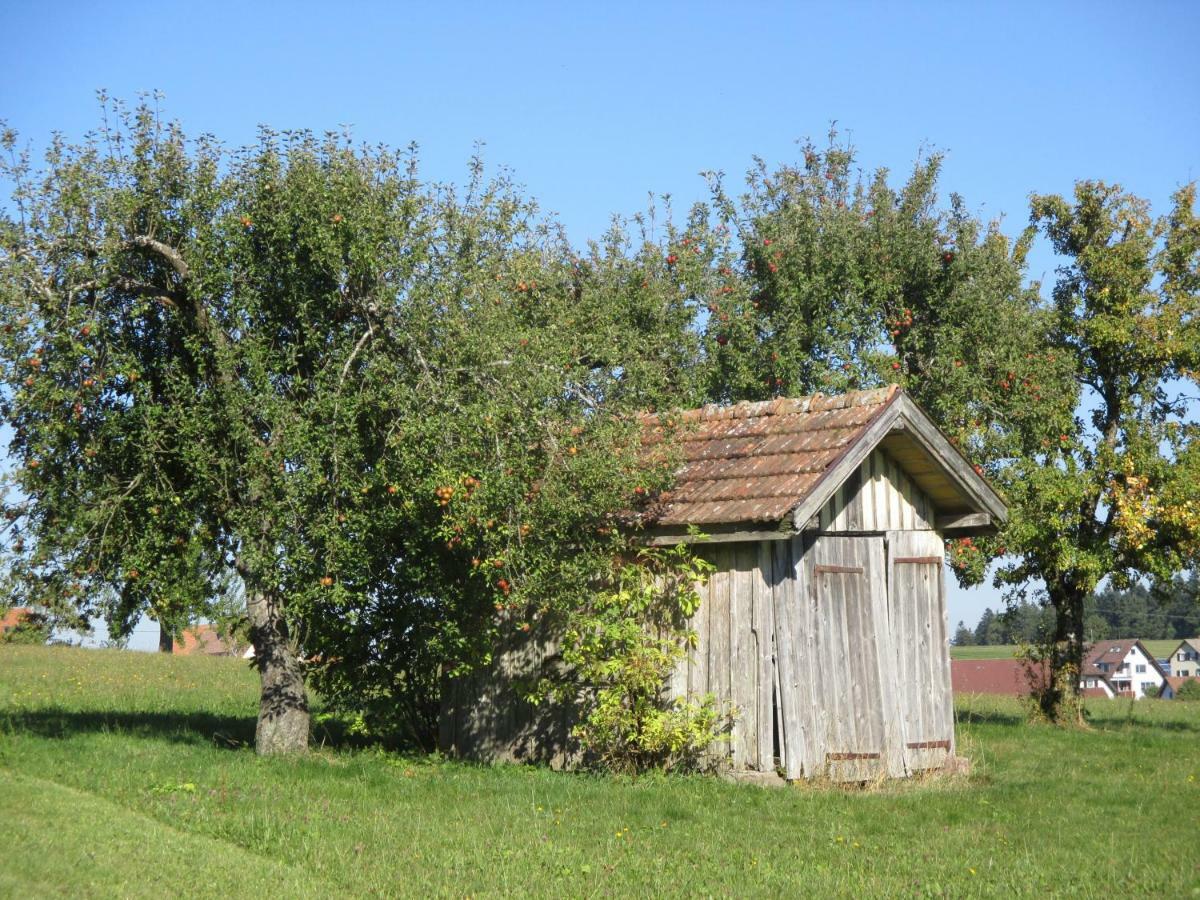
(14, 617)
(755, 462)
(204, 639)
(1178, 681)
(1113, 653)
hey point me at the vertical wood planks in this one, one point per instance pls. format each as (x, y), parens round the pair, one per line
(879, 497)
(852, 695)
(921, 650)
(806, 734)
(822, 681)
(719, 650)
(764, 682)
(732, 660)
(883, 638)
(743, 676)
(787, 636)
(697, 684)
(932, 545)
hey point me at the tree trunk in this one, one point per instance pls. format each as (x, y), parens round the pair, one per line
(283, 707)
(1059, 700)
(166, 643)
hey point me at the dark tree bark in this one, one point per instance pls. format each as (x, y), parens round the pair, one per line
(166, 642)
(1066, 656)
(283, 719)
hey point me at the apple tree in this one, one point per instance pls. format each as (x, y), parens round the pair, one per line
(1120, 495)
(1077, 408)
(397, 412)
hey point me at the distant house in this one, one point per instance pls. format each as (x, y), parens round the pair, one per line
(205, 640)
(1171, 688)
(1185, 659)
(25, 625)
(15, 617)
(1009, 677)
(1120, 668)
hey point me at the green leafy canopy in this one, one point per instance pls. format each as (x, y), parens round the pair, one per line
(401, 413)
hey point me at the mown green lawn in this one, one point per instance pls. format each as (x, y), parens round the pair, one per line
(1160, 648)
(996, 651)
(127, 774)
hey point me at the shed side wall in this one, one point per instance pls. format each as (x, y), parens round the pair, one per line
(733, 656)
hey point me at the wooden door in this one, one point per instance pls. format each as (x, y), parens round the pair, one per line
(917, 613)
(853, 721)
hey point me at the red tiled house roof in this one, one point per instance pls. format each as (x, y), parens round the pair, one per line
(773, 463)
(1112, 653)
(14, 617)
(204, 639)
(754, 462)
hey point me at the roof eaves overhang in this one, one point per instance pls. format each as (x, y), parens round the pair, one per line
(917, 425)
(897, 415)
(901, 415)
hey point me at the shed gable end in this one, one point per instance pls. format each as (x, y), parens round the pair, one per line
(879, 497)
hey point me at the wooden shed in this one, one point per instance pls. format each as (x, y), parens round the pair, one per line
(825, 621)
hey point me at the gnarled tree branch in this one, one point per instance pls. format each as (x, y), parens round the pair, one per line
(166, 251)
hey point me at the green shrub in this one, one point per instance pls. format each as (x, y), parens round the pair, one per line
(33, 628)
(622, 649)
(1189, 690)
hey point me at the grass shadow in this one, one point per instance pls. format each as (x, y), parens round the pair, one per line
(232, 732)
(229, 732)
(1116, 723)
(1100, 719)
(198, 729)
(989, 717)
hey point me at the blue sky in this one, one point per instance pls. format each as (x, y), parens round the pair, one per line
(596, 107)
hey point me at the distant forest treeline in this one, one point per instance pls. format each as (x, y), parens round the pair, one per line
(1169, 609)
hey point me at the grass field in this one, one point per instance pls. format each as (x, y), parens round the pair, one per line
(127, 774)
(998, 651)
(1159, 649)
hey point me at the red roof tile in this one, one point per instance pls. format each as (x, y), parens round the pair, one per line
(14, 617)
(755, 462)
(204, 639)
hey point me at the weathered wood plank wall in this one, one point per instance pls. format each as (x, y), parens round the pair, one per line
(853, 735)
(880, 497)
(830, 646)
(920, 638)
(849, 670)
(485, 715)
(732, 660)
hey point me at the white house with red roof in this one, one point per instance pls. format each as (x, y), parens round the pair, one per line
(1185, 659)
(1121, 668)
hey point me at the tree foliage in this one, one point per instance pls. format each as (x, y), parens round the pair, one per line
(1189, 691)
(620, 649)
(398, 412)
(398, 417)
(849, 282)
(963, 636)
(853, 283)
(1121, 496)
